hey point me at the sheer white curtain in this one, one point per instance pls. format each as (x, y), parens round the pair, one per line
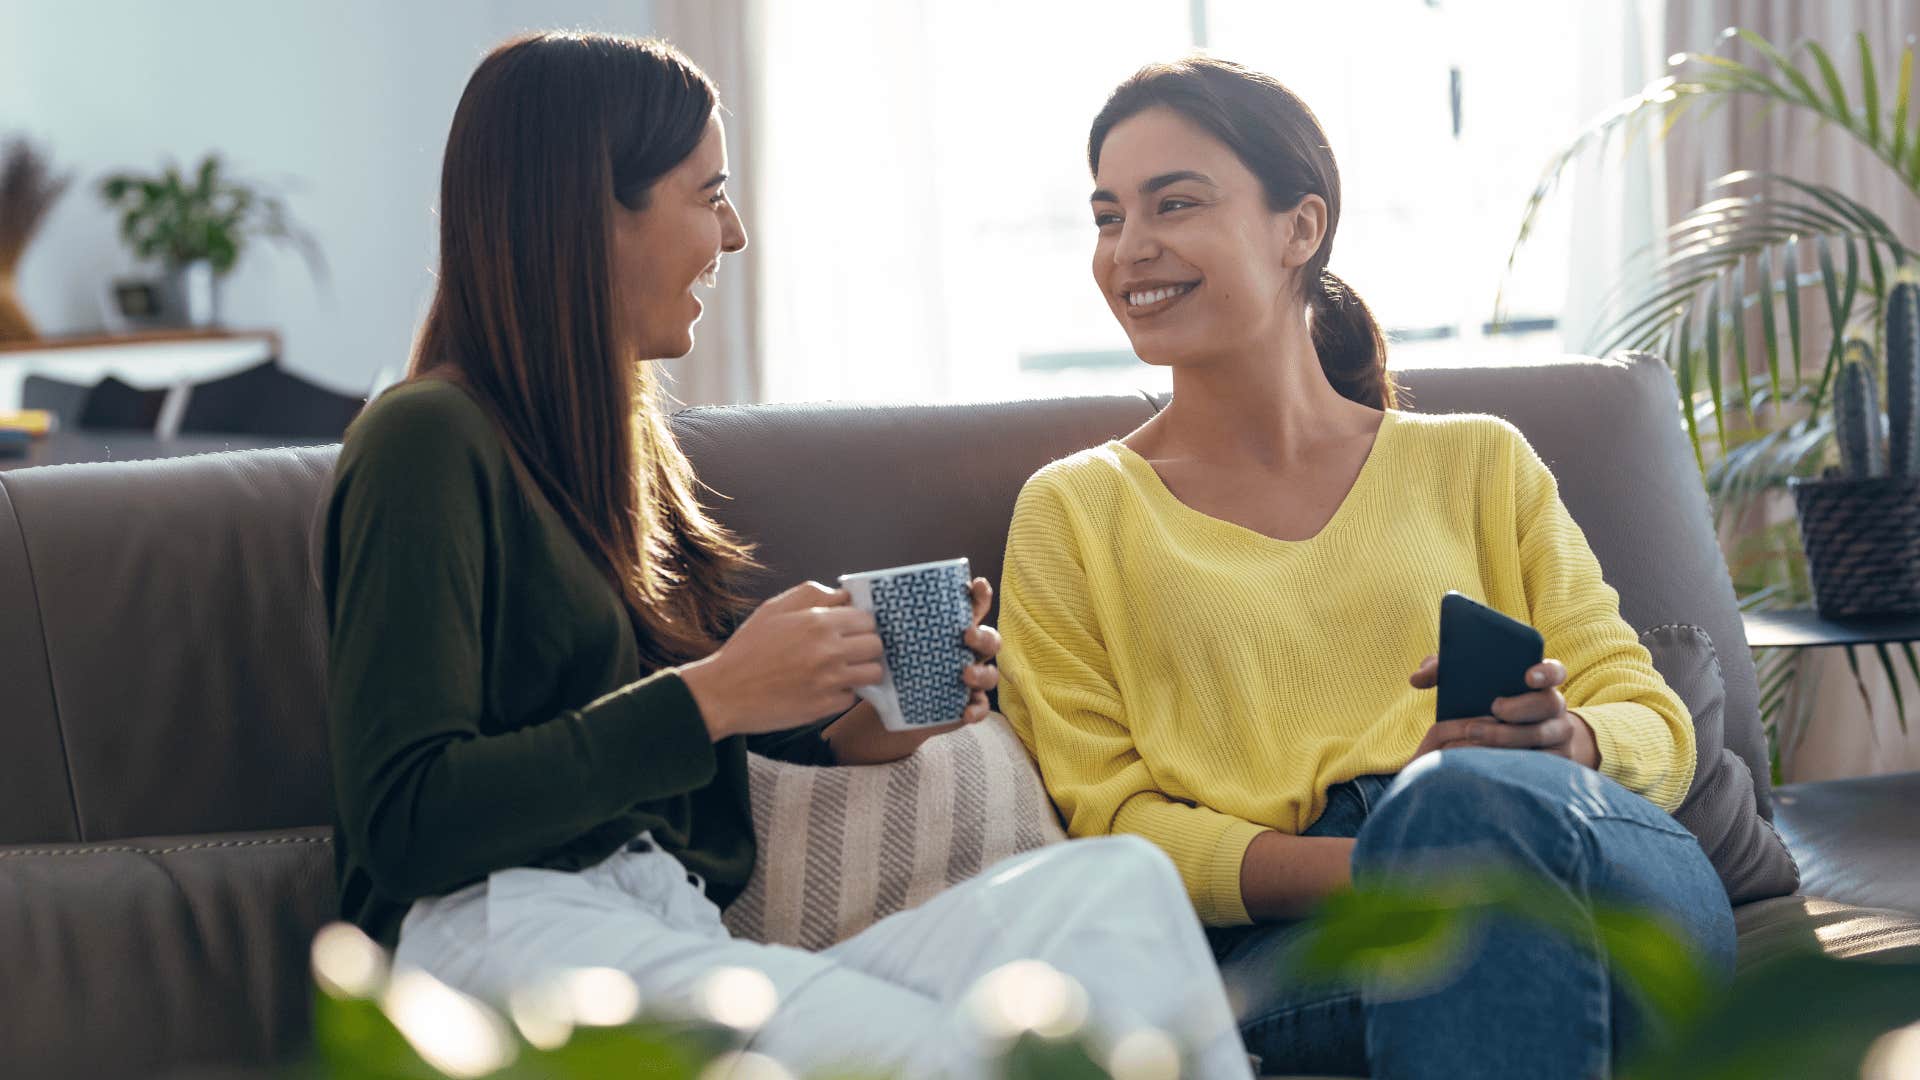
(722, 36)
(923, 188)
(848, 196)
(1618, 200)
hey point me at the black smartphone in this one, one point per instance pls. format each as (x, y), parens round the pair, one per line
(1483, 655)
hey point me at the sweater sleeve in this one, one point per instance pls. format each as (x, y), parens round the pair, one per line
(1643, 730)
(806, 745)
(429, 799)
(1061, 697)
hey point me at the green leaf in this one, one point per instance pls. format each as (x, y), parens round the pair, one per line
(1684, 374)
(1769, 334)
(1714, 375)
(1913, 666)
(1797, 1016)
(1902, 89)
(1651, 315)
(1893, 681)
(1859, 681)
(1851, 291)
(1792, 297)
(1658, 966)
(1836, 312)
(1836, 91)
(1869, 88)
(1807, 95)
(1871, 225)
(1401, 940)
(1739, 290)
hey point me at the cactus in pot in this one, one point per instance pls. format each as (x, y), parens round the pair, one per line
(1903, 379)
(1856, 415)
(1872, 445)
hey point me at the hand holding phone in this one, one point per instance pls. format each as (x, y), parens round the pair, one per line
(1484, 655)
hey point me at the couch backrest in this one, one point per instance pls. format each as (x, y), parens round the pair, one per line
(165, 676)
(161, 643)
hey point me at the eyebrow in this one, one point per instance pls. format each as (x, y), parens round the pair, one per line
(718, 179)
(1164, 180)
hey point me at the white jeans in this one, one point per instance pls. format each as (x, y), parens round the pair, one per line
(1110, 912)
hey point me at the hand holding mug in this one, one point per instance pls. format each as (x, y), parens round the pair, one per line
(797, 658)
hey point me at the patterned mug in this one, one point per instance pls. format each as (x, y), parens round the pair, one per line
(923, 612)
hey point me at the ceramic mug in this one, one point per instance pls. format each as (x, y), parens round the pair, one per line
(923, 612)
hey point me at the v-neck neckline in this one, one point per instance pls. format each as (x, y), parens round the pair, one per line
(1158, 490)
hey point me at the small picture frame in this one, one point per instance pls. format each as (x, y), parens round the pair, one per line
(140, 304)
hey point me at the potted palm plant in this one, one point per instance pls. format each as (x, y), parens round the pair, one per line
(198, 226)
(1754, 294)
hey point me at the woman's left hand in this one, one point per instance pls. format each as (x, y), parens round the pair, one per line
(1536, 720)
(859, 738)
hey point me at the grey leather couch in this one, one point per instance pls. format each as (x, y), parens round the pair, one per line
(164, 850)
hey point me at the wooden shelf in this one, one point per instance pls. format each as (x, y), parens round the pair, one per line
(141, 337)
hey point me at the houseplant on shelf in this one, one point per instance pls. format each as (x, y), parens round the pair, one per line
(28, 189)
(1750, 299)
(1860, 522)
(198, 226)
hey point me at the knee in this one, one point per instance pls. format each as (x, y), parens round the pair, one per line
(1492, 800)
(1477, 782)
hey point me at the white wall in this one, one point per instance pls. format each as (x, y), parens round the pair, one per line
(347, 101)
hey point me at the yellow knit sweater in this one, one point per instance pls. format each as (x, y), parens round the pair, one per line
(1194, 682)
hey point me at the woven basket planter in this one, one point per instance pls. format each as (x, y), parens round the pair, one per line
(1862, 539)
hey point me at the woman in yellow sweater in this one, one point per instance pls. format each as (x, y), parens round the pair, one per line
(1210, 623)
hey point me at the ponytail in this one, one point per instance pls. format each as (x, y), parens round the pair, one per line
(1353, 351)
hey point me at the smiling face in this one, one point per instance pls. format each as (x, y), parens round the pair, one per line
(1191, 260)
(670, 245)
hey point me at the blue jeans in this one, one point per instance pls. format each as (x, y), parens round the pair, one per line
(1527, 1002)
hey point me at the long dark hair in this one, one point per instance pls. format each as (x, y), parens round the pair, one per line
(1280, 141)
(552, 130)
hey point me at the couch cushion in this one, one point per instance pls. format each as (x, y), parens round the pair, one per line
(1857, 840)
(842, 848)
(1719, 809)
(127, 956)
(1769, 928)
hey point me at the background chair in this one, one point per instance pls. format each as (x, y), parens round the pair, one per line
(119, 406)
(63, 399)
(266, 400)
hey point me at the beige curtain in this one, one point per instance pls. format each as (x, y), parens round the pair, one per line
(1846, 736)
(724, 366)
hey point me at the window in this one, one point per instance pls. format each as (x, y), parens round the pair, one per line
(922, 179)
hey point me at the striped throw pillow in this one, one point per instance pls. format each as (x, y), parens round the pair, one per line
(842, 848)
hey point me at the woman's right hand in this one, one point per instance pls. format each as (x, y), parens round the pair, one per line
(796, 659)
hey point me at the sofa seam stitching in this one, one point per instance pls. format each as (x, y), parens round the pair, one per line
(46, 652)
(22, 852)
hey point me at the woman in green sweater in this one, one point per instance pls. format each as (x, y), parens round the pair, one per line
(1210, 623)
(541, 688)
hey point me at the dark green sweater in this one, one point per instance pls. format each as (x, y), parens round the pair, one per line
(487, 701)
